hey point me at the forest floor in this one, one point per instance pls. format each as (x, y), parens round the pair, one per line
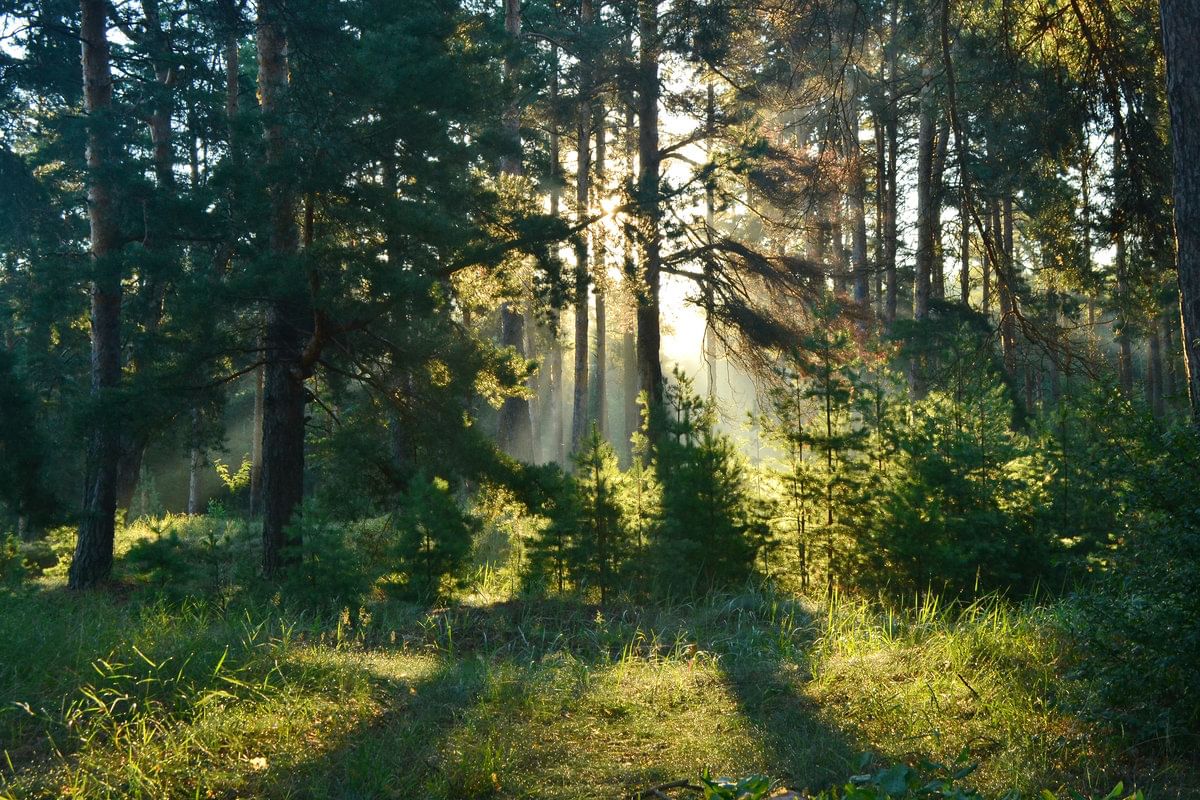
(125, 694)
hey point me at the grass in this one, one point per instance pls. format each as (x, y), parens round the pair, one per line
(237, 694)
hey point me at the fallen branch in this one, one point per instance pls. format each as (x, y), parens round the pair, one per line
(661, 789)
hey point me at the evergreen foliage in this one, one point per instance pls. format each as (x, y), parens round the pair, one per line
(434, 536)
(702, 540)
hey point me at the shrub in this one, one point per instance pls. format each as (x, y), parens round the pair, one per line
(435, 535)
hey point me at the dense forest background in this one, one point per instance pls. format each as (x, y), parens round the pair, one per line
(619, 303)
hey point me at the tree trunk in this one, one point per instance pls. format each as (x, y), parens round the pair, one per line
(632, 415)
(1006, 286)
(990, 251)
(583, 165)
(881, 182)
(1181, 31)
(289, 315)
(964, 245)
(925, 211)
(554, 405)
(557, 433)
(600, 386)
(1154, 375)
(1170, 326)
(195, 466)
(256, 449)
(1124, 342)
(925, 226)
(92, 562)
(937, 275)
(650, 376)
(858, 215)
(629, 353)
(892, 112)
(708, 345)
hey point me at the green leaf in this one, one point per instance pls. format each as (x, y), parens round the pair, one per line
(894, 781)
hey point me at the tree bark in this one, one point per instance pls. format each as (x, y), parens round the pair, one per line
(583, 166)
(630, 411)
(964, 218)
(1154, 375)
(289, 313)
(649, 336)
(256, 450)
(892, 112)
(881, 181)
(858, 215)
(925, 226)
(554, 404)
(1181, 32)
(991, 249)
(937, 274)
(924, 256)
(1005, 286)
(1171, 382)
(601, 283)
(92, 562)
(1124, 341)
(195, 465)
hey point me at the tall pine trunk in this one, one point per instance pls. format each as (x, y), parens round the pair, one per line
(289, 314)
(858, 214)
(881, 182)
(924, 256)
(92, 562)
(649, 336)
(1121, 267)
(1006, 286)
(891, 121)
(629, 355)
(925, 225)
(937, 275)
(600, 384)
(1181, 32)
(553, 407)
(1154, 374)
(583, 166)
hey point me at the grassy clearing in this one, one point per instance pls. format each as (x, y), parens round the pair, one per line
(128, 695)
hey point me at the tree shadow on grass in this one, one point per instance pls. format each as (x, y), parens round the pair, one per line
(561, 699)
(402, 750)
(765, 669)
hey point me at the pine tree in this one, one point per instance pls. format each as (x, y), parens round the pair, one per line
(598, 547)
(704, 538)
(435, 535)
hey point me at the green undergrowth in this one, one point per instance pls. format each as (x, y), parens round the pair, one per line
(135, 692)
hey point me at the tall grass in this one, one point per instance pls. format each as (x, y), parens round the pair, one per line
(234, 691)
